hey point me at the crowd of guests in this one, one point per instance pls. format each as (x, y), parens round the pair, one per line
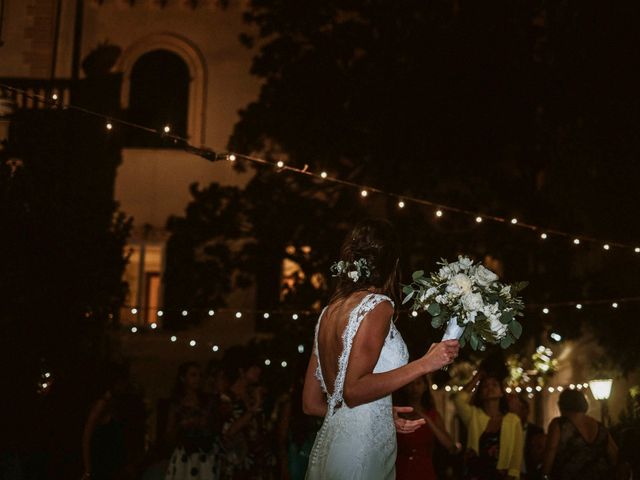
(226, 422)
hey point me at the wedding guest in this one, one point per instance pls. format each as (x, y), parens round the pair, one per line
(534, 437)
(249, 450)
(494, 440)
(415, 450)
(578, 446)
(189, 428)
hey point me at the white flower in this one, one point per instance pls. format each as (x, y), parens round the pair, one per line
(464, 262)
(484, 276)
(445, 272)
(471, 317)
(459, 285)
(441, 299)
(472, 302)
(506, 291)
(354, 275)
(498, 328)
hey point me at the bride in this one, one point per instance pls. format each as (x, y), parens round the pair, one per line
(359, 359)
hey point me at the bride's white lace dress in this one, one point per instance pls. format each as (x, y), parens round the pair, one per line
(360, 442)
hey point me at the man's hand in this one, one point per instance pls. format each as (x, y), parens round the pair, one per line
(402, 424)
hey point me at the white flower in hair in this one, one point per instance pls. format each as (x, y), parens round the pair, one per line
(354, 275)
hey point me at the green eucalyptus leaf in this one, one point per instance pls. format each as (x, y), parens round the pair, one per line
(437, 322)
(516, 328)
(506, 317)
(505, 342)
(417, 274)
(407, 289)
(434, 309)
(408, 297)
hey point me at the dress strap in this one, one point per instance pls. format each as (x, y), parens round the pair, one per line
(356, 316)
(318, 372)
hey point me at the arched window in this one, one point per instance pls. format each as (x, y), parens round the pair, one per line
(158, 96)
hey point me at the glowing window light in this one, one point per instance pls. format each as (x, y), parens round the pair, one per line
(601, 388)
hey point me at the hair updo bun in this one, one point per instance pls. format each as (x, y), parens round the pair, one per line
(375, 241)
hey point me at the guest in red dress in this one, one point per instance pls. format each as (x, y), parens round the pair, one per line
(415, 450)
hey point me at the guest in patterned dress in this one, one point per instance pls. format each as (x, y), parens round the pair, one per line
(190, 429)
(578, 446)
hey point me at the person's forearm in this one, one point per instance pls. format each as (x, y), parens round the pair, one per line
(374, 386)
(239, 424)
(441, 435)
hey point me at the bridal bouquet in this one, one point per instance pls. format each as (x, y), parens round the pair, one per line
(468, 300)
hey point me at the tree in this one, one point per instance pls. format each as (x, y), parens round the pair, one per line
(485, 106)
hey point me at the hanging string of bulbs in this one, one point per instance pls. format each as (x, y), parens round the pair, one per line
(365, 191)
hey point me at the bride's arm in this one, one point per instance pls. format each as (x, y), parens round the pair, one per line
(361, 384)
(313, 399)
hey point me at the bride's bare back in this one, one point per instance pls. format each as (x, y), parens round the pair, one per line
(330, 345)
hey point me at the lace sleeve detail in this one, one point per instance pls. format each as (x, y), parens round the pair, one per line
(315, 352)
(367, 304)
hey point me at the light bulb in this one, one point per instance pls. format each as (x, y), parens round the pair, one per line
(174, 338)
(280, 164)
(323, 174)
(401, 204)
(545, 310)
(215, 348)
(294, 316)
(167, 129)
(447, 388)
(614, 304)
(267, 362)
(434, 387)
(153, 326)
(238, 314)
(637, 250)
(283, 364)
(606, 246)
(134, 311)
(192, 343)
(109, 126)
(518, 389)
(265, 316)
(439, 213)
(543, 236)
(211, 313)
(579, 306)
(232, 157)
(514, 221)
(160, 313)
(555, 336)
(184, 313)
(364, 193)
(479, 219)
(508, 389)
(300, 348)
(54, 96)
(134, 329)
(414, 314)
(576, 241)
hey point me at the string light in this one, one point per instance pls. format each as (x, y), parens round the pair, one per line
(514, 221)
(323, 174)
(579, 306)
(300, 348)
(153, 326)
(134, 311)
(54, 96)
(614, 304)
(174, 338)
(265, 316)
(294, 316)
(543, 236)
(434, 387)
(576, 241)
(606, 246)
(283, 364)
(414, 314)
(238, 314)
(401, 204)
(545, 311)
(364, 193)
(231, 157)
(215, 348)
(439, 213)
(160, 313)
(184, 313)
(479, 219)
(192, 343)
(211, 313)
(556, 337)
(109, 126)
(134, 329)
(267, 362)
(210, 155)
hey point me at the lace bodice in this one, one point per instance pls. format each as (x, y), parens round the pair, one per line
(393, 355)
(357, 443)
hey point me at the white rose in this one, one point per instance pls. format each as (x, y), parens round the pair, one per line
(484, 276)
(459, 285)
(353, 275)
(472, 302)
(498, 328)
(464, 262)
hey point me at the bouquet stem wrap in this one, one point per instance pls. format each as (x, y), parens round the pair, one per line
(453, 330)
